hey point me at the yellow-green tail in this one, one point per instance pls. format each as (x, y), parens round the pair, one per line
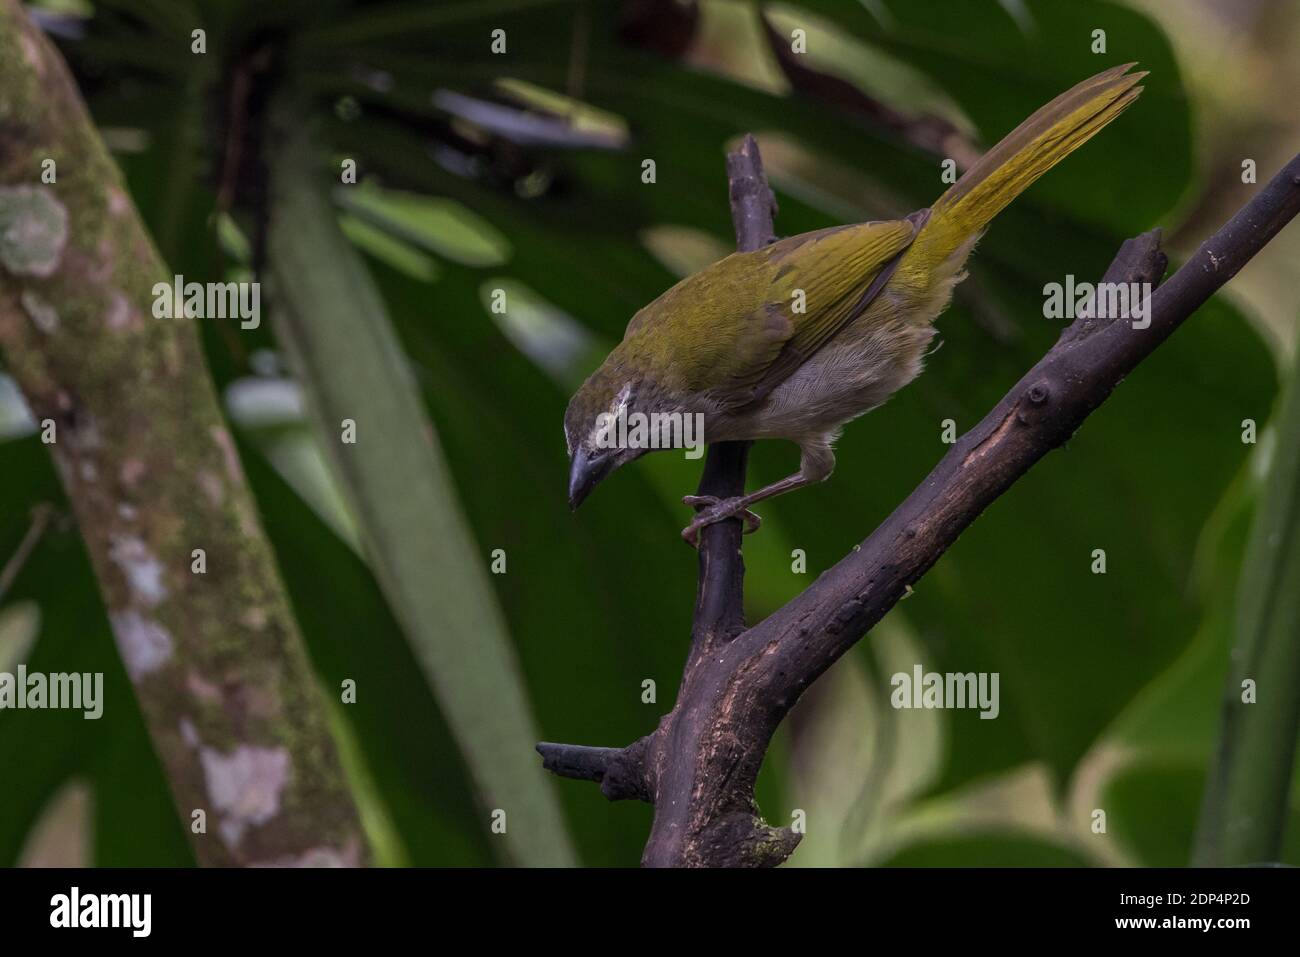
(1026, 153)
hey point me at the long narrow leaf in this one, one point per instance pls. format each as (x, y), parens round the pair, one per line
(335, 327)
(1245, 805)
(404, 19)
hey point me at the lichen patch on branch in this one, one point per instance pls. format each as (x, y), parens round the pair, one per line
(43, 315)
(143, 572)
(32, 54)
(33, 230)
(145, 645)
(119, 314)
(349, 856)
(245, 787)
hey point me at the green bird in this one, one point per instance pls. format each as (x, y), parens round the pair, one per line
(797, 339)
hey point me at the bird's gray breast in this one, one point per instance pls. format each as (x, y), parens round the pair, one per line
(871, 359)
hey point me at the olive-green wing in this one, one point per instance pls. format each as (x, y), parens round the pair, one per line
(714, 332)
(834, 277)
(739, 328)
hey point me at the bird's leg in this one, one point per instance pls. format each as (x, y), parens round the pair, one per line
(815, 466)
(721, 509)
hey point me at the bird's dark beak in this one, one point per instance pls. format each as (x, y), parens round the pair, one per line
(586, 472)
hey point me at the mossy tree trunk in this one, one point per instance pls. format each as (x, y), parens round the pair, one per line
(215, 658)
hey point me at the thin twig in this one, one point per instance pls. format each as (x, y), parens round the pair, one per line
(41, 516)
(927, 132)
(719, 611)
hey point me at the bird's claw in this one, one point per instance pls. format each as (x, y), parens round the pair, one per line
(717, 510)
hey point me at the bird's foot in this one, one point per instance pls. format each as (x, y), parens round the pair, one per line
(717, 510)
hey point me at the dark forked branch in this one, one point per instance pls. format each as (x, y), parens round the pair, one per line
(699, 766)
(719, 598)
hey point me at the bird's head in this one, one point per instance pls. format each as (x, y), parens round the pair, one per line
(596, 442)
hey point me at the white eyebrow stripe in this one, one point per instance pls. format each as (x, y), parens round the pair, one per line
(621, 400)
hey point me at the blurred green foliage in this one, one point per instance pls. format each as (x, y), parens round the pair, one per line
(1091, 665)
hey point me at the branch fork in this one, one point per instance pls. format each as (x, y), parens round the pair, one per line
(699, 766)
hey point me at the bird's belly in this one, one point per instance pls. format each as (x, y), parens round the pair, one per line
(852, 374)
(861, 367)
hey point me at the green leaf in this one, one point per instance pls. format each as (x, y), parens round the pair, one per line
(1017, 594)
(402, 21)
(1000, 67)
(570, 580)
(1177, 714)
(995, 849)
(1244, 814)
(335, 328)
(1151, 807)
(352, 634)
